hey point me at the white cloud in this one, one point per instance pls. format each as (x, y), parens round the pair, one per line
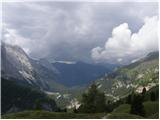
(125, 46)
(69, 30)
(11, 36)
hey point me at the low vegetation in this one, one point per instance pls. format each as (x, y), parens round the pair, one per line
(94, 106)
(19, 98)
(51, 115)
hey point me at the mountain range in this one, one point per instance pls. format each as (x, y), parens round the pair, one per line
(79, 73)
(46, 75)
(66, 80)
(132, 77)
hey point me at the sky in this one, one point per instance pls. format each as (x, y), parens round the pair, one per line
(99, 32)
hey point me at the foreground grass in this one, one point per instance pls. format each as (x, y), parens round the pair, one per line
(123, 111)
(151, 109)
(123, 116)
(51, 115)
(124, 108)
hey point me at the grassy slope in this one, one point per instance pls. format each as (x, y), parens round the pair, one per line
(51, 115)
(123, 116)
(125, 108)
(151, 109)
(122, 112)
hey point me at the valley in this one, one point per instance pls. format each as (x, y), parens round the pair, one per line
(46, 79)
(85, 59)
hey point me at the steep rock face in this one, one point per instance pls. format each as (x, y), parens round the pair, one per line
(44, 74)
(135, 76)
(6, 64)
(16, 64)
(23, 81)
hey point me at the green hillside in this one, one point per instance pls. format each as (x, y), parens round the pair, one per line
(123, 116)
(116, 88)
(124, 108)
(151, 109)
(123, 111)
(135, 76)
(16, 98)
(51, 115)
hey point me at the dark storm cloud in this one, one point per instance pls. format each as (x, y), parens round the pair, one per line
(68, 30)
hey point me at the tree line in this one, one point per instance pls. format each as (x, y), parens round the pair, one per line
(94, 101)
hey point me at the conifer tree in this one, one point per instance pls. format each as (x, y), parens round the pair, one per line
(137, 105)
(153, 96)
(93, 101)
(37, 104)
